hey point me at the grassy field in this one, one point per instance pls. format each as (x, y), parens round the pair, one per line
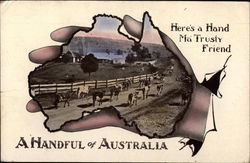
(71, 72)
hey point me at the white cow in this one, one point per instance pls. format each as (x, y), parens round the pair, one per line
(82, 91)
(33, 92)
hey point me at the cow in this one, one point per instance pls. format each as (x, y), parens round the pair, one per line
(33, 92)
(64, 97)
(111, 94)
(125, 85)
(145, 91)
(181, 99)
(159, 88)
(185, 97)
(133, 98)
(82, 91)
(136, 96)
(130, 99)
(114, 91)
(142, 83)
(100, 95)
(117, 92)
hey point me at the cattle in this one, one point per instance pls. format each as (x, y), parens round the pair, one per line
(159, 88)
(114, 91)
(144, 82)
(181, 99)
(141, 83)
(100, 95)
(136, 96)
(185, 97)
(183, 77)
(82, 91)
(111, 94)
(64, 97)
(145, 91)
(125, 85)
(133, 98)
(130, 99)
(117, 92)
(33, 92)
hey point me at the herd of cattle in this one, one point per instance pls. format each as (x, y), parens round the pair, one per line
(113, 92)
(140, 90)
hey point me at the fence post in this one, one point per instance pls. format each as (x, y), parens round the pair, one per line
(96, 84)
(84, 82)
(71, 87)
(133, 79)
(146, 76)
(116, 80)
(39, 88)
(106, 83)
(56, 87)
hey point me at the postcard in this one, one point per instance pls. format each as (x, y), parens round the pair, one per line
(124, 81)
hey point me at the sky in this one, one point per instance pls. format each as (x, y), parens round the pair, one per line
(107, 27)
(104, 27)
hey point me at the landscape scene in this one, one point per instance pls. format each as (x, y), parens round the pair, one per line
(102, 68)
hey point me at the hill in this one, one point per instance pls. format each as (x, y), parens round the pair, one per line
(71, 72)
(84, 45)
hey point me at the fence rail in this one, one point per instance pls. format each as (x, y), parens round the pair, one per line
(63, 87)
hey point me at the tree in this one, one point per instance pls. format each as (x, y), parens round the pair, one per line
(152, 68)
(145, 53)
(67, 57)
(136, 47)
(157, 54)
(130, 58)
(89, 64)
(141, 52)
(119, 52)
(107, 51)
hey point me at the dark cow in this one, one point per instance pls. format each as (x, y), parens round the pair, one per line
(65, 97)
(111, 94)
(100, 95)
(130, 99)
(115, 91)
(125, 85)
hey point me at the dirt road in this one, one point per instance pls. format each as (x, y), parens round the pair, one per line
(152, 111)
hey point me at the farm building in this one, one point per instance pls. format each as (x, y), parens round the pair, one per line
(72, 57)
(119, 61)
(152, 62)
(105, 57)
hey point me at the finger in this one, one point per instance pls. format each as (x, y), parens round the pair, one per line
(132, 26)
(64, 34)
(32, 106)
(45, 54)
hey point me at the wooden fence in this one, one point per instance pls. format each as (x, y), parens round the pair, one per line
(60, 88)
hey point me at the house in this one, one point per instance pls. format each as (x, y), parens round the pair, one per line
(149, 62)
(104, 57)
(119, 61)
(69, 56)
